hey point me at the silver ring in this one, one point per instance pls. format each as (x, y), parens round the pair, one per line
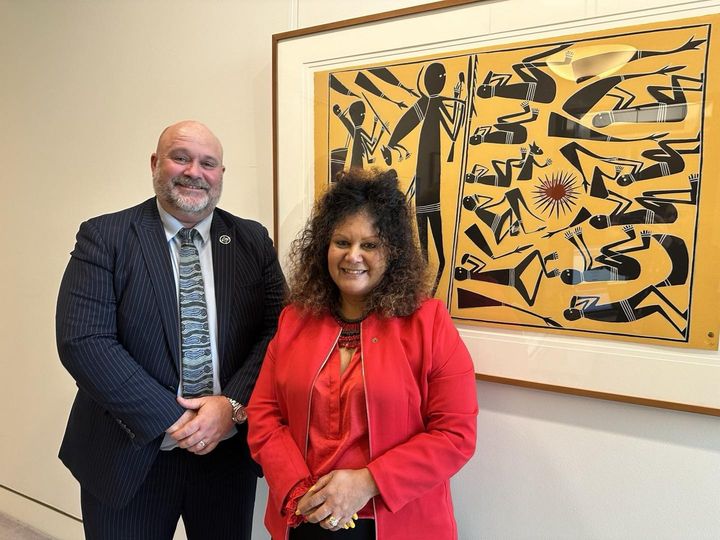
(201, 444)
(333, 521)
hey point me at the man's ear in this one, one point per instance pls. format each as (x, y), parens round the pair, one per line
(153, 161)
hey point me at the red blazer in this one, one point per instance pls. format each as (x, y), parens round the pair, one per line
(421, 404)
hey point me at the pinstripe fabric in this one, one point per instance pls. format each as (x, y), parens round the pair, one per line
(117, 335)
(249, 293)
(204, 490)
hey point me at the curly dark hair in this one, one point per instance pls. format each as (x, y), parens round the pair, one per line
(405, 282)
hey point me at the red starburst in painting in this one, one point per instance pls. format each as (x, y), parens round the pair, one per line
(555, 194)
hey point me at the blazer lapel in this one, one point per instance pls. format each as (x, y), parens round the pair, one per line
(223, 251)
(153, 244)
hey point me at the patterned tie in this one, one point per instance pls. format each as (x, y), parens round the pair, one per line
(197, 370)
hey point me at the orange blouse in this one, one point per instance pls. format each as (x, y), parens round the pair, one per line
(338, 435)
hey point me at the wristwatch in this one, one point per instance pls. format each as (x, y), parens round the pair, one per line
(238, 411)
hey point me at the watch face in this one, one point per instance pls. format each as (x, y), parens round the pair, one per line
(240, 415)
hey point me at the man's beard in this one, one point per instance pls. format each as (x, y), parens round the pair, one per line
(190, 204)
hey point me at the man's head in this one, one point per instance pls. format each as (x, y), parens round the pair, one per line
(187, 171)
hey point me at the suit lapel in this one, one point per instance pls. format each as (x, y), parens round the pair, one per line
(153, 244)
(223, 255)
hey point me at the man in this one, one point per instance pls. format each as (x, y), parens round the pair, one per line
(164, 330)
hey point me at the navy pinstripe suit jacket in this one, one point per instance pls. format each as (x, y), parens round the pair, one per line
(117, 335)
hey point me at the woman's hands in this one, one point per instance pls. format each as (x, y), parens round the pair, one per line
(336, 497)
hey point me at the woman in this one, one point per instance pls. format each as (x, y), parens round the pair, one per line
(365, 404)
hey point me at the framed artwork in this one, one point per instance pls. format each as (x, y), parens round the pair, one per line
(560, 174)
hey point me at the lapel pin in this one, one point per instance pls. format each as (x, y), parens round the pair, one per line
(225, 239)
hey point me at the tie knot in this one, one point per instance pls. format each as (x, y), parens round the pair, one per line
(187, 236)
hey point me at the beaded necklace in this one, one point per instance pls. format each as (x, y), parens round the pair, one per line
(349, 331)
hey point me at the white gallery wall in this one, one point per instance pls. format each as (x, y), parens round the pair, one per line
(85, 88)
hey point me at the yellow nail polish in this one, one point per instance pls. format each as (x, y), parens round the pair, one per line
(354, 516)
(352, 524)
(346, 526)
(297, 512)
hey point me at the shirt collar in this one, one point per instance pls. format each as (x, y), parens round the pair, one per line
(172, 226)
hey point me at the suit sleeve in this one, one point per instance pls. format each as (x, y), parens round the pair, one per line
(241, 385)
(404, 473)
(88, 346)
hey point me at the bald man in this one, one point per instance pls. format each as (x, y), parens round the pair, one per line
(146, 440)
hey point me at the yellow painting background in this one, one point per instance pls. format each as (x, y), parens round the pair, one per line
(593, 55)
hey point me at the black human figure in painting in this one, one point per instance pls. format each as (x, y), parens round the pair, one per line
(430, 110)
(363, 144)
(469, 299)
(389, 77)
(338, 156)
(572, 151)
(691, 44)
(528, 161)
(365, 83)
(668, 160)
(433, 113)
(501, 178)
(511, 277)
(583, 214)
(503, 168)
(474, 233)
(582, 64)
(624, 311)
(537, 86)
(656, 207)
(560, 126)
(677, 252)
(616, 265)
(585, 99)
(508, 129)
(665, 109)
(339, 87)
(509, 221)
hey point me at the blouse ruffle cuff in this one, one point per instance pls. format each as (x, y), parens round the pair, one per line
(291, 502)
